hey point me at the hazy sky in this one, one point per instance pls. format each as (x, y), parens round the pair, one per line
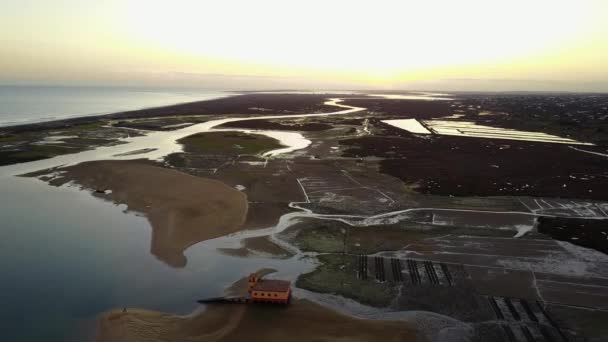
(430, 44)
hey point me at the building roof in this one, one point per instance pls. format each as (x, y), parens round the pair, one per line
(272, 285)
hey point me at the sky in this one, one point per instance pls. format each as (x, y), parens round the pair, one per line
(495, 45)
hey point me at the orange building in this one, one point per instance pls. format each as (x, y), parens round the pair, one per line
(269, 290)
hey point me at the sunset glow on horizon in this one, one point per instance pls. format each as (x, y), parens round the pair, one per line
(265, 44)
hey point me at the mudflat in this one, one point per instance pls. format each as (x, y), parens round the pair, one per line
(182, 209)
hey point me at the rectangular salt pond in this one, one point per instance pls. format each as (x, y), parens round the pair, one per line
(410, 125)
(472, 129)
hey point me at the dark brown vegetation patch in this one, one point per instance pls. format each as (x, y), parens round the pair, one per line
(272, 125)
(32, 153)
(582, 232)
(458, 166)
(419, 109)
(263, 104)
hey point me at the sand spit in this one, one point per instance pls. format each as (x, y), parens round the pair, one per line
(182, 209)
(301, 321)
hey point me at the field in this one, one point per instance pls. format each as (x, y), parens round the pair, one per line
(228, 143)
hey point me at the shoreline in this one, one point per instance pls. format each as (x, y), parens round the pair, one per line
(100, 115)
(175, 213)
(78, 119)
(295, 104)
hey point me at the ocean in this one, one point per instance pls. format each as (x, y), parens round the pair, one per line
(28, 104)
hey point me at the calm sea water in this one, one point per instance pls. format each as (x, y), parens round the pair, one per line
(23, 104)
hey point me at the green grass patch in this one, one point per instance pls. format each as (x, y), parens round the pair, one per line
(87, 126)
(229, 143)
(337, 275)
(322, 239)
(176, 160)
(337, 237)
(33, 152)
(10, 138)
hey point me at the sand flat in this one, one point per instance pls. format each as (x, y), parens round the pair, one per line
(182, 209)
(300, 321)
